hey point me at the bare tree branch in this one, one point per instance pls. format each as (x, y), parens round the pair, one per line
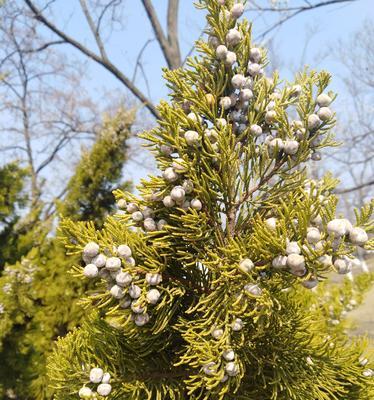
(296, 11)
(105, 63)
(94, 29)
(354, 188)
(170, 49)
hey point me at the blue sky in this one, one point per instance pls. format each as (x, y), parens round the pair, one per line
(332, 23)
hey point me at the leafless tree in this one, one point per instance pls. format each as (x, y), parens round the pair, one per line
(43, 110)
(355, 160)
(100, 14)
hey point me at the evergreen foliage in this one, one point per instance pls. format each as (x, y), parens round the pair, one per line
(12, 199)
(201, 288)
(38, 300)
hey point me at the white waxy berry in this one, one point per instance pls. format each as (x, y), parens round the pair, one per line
(153, 296)
(148, 212)
(124, 251)
(254, 69)
(141, 319)
(150, 225)
(271, 223)
(137, 216)
(160, 224)
(358, 236)
(221, 52)
(104, 389)
(313, 235)
(232, 369)
(313, 121)
(275, 145)
(363, 361)
(253, 290)
(217, 333)
(230, 58)
(233, 37)
(166, 150)
(210, 368)
(188, 186)
(246, 265)
(221, 123)
(213, 41)
(179, 165)
(123, 279)
(131, 261)
(85, 392)
(90, 271)
(316, 156)
(168, 202)
(224, 378)
(99, 260)
(293, 248)
(91, 249)
(191, 137)
(317, 220)
(324, 100)
(228, 355)
(368, 373)
(122, 204)
(178, 194)
(245, 95)
(295, 261)
(255, 54)
(131, 208)
(342, 266)
(324, 114)
(170, 175)
(113, 263)
(194, 117)
(237, 81)
(96, 375)
(270, 117)
(136, 307)
(153, 279)
(237, 10)
(338, 227)
(125, 302)
(279, 262)
(325, 260)
(310, 283)
(237, 325)
(134, 291)
(296, 90)
(225, 102)
(117, 292)
(291, 147)
(106, 378)
(255, 130)
(196, 204)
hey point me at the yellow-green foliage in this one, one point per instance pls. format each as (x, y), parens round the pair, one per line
(39, 303)
(285, 347)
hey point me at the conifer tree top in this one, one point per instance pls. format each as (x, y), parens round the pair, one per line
(199, 280)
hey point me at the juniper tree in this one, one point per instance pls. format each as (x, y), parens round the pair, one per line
(12, 199)
(37, 298)
(202, 282)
